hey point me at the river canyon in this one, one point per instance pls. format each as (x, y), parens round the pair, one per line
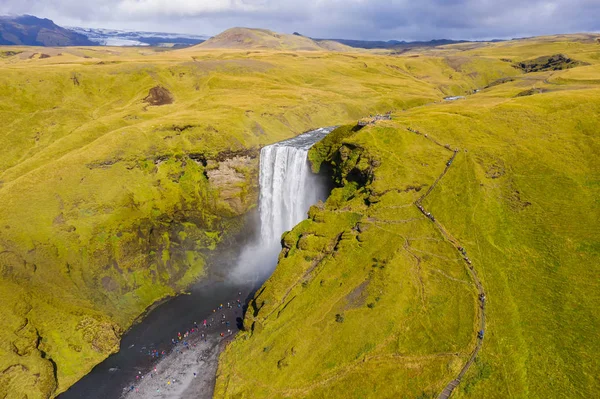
(153, 361)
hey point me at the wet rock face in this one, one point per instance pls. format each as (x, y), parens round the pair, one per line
(159, 95)
(235, 179)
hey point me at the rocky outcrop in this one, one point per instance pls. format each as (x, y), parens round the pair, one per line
(159, 95)
(236, 181)
(555, 62)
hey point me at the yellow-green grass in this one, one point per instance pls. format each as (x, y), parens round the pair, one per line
(521, 197)
(407, 304)
(584, 46)
(106, 206)
(533, 230)
(105, 209)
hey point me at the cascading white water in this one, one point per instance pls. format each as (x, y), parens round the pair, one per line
(287, 190)
(287, 186)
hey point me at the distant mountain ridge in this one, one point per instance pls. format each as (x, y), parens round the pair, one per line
(32, 31)
(116, 37)
(400, 44)
(394, 44)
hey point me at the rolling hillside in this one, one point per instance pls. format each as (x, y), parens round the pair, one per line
(125, 169)
(371, 298)
(110, 200)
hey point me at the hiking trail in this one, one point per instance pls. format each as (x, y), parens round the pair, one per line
(447, 391)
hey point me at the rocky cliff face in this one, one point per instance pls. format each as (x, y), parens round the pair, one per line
(235, 179)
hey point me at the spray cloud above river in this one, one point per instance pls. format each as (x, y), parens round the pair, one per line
(287, 190)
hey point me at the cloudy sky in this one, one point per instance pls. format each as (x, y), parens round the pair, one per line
(351, 19)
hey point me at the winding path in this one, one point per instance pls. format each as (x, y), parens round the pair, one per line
(447, 391)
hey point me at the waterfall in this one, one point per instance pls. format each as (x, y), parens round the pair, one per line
(287, 190)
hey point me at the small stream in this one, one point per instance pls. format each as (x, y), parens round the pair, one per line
(287, 189)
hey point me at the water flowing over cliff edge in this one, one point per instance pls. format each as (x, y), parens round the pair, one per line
(287, 190)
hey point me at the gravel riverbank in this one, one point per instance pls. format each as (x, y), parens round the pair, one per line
(189, 369)
(186, 374)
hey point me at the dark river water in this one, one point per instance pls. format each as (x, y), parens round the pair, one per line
(155, 332)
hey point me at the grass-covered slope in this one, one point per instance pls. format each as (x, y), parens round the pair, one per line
(110, 203)
(527, 211)
(370, 299)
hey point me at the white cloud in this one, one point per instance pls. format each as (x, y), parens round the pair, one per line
(188, 7)
(355, 19)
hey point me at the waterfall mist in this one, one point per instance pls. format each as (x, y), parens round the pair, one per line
(287, 190)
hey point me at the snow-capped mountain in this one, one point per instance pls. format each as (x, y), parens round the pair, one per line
(113, 37)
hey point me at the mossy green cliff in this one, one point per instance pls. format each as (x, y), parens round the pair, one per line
(371, 299)
(123, 169)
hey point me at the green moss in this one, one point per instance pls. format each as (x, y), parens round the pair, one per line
(518, 197)
(106, 208)
(325, 148)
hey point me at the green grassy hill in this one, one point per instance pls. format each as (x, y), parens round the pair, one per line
(371, 299)
(110, 203)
